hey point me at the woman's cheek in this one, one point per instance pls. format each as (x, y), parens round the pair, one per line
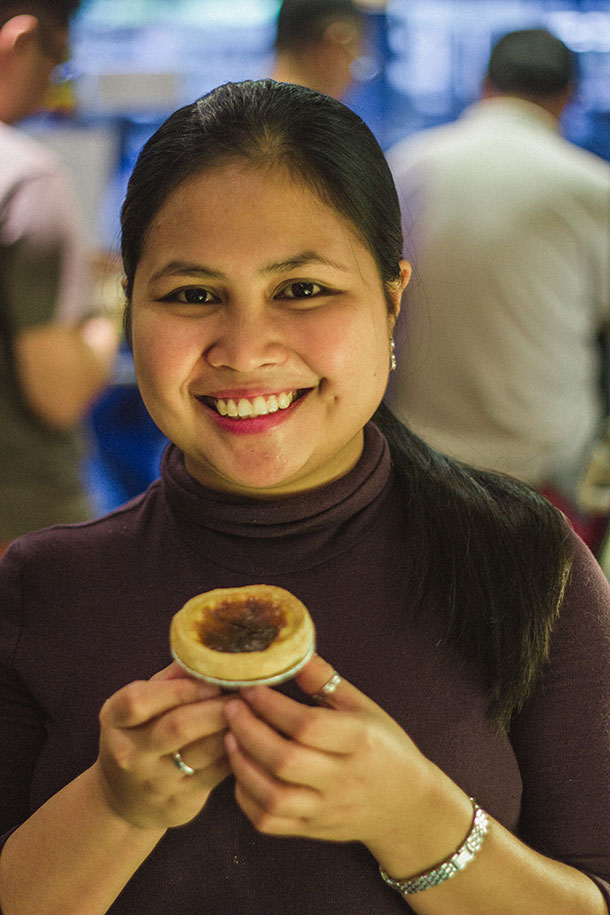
(159, 350)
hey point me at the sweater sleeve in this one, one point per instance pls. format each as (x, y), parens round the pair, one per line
(20, 718)
(562, 737)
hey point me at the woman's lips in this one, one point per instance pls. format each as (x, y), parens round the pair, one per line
(249, 408)
(255, 415)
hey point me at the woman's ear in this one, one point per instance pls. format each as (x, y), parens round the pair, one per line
(398, 287)
(405, 274)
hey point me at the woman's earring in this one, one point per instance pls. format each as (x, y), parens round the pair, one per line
(392, 354)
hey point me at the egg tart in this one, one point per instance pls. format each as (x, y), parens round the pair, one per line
(233, 637)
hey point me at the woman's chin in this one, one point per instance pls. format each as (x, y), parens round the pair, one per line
(273, 468)
(259, 480)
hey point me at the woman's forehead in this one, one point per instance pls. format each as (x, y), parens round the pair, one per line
(241, 210)
(229, 179)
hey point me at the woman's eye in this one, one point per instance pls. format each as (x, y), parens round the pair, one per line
(193, 295)
(302, 290)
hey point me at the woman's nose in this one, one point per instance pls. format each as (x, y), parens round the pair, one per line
(246, 343)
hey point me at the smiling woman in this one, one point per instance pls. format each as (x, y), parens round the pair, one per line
(297, 344)
(469, 626)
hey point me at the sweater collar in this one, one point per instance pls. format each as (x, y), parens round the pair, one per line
(297, 531)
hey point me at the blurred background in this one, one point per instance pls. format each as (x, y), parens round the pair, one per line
(134, 61)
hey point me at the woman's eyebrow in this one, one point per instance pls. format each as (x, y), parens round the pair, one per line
(301, 260)
(185, 268)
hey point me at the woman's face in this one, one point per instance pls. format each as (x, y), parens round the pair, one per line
(260, 332)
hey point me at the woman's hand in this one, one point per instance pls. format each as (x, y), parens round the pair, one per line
(343, 772)
(142, 726)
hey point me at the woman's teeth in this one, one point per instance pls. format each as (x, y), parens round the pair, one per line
(259, 406)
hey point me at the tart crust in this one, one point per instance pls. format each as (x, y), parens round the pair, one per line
(241, 636)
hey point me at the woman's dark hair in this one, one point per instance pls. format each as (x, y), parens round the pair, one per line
(491, 550)
(531, 62)
(315, 138)
(497, 555)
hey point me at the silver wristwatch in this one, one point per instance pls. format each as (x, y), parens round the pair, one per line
(451, 866)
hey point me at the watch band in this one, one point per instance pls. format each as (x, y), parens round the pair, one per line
(451, 866)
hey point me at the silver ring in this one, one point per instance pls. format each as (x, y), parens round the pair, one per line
(181, 765)
(328, 689)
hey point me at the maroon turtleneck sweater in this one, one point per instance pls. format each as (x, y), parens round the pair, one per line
(86, 609)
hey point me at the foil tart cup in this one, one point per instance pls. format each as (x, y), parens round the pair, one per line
(280, 677)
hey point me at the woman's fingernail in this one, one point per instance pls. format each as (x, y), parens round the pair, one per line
(230, 742)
